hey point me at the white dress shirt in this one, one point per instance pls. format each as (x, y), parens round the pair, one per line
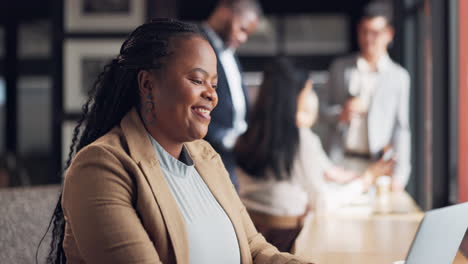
(363, 83)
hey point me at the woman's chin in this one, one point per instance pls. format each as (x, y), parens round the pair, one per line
(199, 134)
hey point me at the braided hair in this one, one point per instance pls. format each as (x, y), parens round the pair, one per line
(113, 94)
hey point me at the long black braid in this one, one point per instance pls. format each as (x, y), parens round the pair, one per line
(113, 94)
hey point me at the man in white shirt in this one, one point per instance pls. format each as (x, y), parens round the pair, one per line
(368, 104)
(229, 26)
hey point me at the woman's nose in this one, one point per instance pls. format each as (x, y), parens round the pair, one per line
(211, 95)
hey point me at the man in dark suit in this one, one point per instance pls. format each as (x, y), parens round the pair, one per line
(228, 26)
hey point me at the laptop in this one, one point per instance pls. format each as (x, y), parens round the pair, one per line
(440, 236)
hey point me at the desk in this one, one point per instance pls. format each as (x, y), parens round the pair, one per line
(357, 235)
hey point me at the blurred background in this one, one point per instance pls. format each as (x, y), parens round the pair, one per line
(52, 50)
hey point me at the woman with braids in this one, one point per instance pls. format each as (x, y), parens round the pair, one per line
(282, 165)
(143, 187)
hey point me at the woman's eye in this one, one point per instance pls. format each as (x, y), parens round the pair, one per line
(197, 81)
(215, 86)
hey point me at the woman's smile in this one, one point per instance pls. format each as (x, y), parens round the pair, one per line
(202, 112)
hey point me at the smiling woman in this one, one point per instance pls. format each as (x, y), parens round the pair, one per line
(180, 96)
(141, 186)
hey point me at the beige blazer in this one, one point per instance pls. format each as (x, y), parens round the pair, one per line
(119, 208)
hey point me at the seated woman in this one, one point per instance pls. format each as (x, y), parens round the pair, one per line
(283, 169)
(143, 187)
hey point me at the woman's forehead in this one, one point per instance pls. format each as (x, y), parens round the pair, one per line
(186, 42)
(192, 51)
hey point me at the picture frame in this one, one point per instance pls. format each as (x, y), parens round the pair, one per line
(34, 95)
(34, 40)
(312, 34)
(111, 16)
(83, 61)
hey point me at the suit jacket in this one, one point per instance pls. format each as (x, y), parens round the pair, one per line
(222, 117)
(119, 208)
(388, 119)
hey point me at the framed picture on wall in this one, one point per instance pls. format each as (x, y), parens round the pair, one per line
(34, 40)
(83, 61)
(316, 34)
(34, 114)
(104, 15)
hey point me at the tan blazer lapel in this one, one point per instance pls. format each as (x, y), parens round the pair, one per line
(212, 176)
(141, 150)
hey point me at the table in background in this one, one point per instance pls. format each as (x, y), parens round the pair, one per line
(359, 235)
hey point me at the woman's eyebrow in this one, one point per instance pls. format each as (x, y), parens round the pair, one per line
(202, 71)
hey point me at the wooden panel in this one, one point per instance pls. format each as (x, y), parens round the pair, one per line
(463, 101)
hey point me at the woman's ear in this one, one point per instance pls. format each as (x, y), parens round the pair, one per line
(145, 83)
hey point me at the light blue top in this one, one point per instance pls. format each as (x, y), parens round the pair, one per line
(211, 235)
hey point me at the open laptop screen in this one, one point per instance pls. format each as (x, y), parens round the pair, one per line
(440, 236)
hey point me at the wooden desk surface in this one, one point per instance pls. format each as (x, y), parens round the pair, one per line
(358, 235)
